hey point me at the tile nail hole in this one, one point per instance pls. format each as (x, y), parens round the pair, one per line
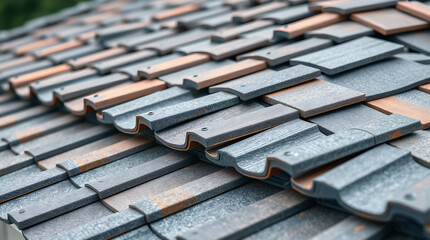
(409, 197)
(149, 67)
(288, 153)
(96, 95)
(195, 75)
(204, 129)
(268, 53)
(151, 113)
(21, 211)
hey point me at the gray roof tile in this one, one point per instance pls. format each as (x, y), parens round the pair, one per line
(388, 77)
(349, 55)
(341, 32)
(315, 97)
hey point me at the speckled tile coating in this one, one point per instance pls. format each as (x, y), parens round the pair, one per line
(349, 55)
(388, 77)
(315, 97)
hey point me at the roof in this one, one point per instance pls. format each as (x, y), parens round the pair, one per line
(221, 119)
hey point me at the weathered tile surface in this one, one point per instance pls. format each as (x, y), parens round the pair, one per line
(349, 55)
(315, 97)
(341, 32)
(387, 77)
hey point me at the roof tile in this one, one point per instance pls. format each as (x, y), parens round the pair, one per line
(389, 21)
(315, 97)
(349, 55)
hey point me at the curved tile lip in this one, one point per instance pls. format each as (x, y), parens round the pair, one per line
(311, 189)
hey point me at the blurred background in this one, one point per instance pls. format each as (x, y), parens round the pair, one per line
(14, 13)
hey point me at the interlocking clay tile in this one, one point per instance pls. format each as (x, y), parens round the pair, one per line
(388, 77)
(122, 200)
(24, 80)
(266, 81)
(300, 27)
(341, 32)
(83, 88)
(222, 74)
(252, 13)
(233, 47)
(23, 115)
(282, 53)
(390, 21)
(167, 44)
(315, 97)
(105, 66)
(24, 135)
(43, 90)
(83, 163)
(354, 227)
(144, 172)
(419, 145)
(253, 217)
(414, 104)
(174, 200)
(50, 162)
(348, 7)
(108, 53)
(117, 95)
(298, 160)
(225, 130)
(187, 61)
(415, 8)
(232, 33)
(345, 118)
(349, 55)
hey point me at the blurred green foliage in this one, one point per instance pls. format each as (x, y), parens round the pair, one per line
(14, 13)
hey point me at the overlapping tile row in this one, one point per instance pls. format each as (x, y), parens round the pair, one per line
(275, 89)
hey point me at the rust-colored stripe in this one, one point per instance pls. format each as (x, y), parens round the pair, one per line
(300, 27)
(28, 134)
(125, 93)
(394, 104)
(375, 20)
(99, 157)
(415, 8)
(176, 11)
(8, 121)
(37, 75)
(174, 65)
(60, 47)
(34, 45)
(226, 73)
(173, 201)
